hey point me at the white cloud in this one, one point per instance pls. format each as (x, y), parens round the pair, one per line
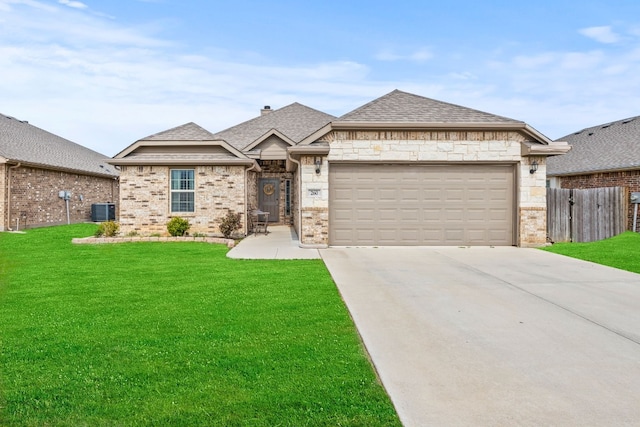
(105, 85)
(73, 4)
(603, 34)
(420, 55)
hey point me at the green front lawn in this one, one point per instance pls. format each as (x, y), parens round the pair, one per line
(621, 251)
(174, 334)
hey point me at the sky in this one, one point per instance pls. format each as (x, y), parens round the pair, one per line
(104, 74)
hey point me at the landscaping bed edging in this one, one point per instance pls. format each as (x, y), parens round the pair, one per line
(101, 240)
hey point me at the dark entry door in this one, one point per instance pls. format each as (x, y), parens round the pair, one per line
(269, 196)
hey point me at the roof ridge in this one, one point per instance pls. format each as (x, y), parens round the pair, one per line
(602, 126)
(176, 128)
(406, 107)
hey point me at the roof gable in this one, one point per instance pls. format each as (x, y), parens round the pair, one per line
(606, 147)
(22, 142)
(293, 122)
(186, 144)
(403, 107)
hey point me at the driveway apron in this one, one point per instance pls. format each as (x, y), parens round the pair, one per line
(496, 336)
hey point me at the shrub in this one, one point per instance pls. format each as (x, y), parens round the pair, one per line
(230, 223)
(107, 229)
(178, 226)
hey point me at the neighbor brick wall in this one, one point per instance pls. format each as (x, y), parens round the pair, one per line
(3, 197)
(33, 196)
(440, 147)
(145, 199)
(628, 179)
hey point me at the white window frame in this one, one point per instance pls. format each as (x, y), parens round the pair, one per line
(183, 185)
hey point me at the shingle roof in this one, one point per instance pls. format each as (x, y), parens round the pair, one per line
(295, 121)
(403, 107)
(606, 147)
(187, 132)
(22, 142)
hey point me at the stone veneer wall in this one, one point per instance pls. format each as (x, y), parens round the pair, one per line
(314, 209)
(629, 179)
(532, 206)
(145, 199)
(33, 196)
(427, 146)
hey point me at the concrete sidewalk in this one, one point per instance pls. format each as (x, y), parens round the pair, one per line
(281, 242)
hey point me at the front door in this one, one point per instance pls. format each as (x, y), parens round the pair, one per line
(269, 196)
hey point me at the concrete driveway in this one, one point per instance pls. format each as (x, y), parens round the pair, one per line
(496, 336)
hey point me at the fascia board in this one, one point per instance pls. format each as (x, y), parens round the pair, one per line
(63, 169)
(321, 150)
(554, 148)
(180, 162)
(316, 135)
(210, 143)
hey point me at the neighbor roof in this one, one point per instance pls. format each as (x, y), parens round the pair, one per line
(606, 147)
(21, 142)
(403, 107)
(295, 121)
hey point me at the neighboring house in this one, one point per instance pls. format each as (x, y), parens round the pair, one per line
(606, 155)
(400, 170)
(35, 166)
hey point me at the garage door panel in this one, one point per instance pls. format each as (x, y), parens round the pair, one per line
(364, 194)
(365, 215)
(343, 195)
(387, 194)
(453, 215)
(342, 215)
(457, 204)
(453, 195)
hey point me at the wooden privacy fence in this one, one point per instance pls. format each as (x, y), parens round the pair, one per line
(586, 215)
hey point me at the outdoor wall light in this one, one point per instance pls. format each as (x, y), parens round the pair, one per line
(318, 162)
(534, 167)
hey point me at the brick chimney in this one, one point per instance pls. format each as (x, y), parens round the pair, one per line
(266, 110)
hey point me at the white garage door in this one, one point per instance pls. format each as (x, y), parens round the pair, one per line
(403, 204)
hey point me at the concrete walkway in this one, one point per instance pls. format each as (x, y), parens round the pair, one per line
(496, 336)
(281, 242)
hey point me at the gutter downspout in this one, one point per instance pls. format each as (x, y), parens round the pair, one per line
(299, 194)
(246, 196)
(9, 193)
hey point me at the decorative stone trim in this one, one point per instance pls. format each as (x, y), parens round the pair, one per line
(533, 227)
(102, 240)
(413, 135)
(315, 227)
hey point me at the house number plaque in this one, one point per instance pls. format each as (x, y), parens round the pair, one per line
(314, 192)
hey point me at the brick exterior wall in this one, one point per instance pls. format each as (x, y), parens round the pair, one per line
(145, 198)
(3, 197)
(628, 179)
(33, 196)
(428, 146)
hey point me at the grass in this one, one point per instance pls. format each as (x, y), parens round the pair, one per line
(620, 251)
(174, 334)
